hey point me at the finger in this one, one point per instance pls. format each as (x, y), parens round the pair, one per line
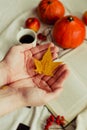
(54, 52)
(46, 78)
(41, 48)
(60, 80)
(27, 56)
(41, 84)
(31, 71)
(31, 67)
(54, 55)
(40, 76)
(60, 70)
(26, 46)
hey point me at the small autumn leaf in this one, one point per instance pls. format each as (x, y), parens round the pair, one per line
(46, 66)
(38, 66)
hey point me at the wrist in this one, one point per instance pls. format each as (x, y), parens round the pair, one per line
(3, 73)
(23, 99)
(10, 100)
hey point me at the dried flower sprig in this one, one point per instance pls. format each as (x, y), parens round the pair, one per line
(42, 37)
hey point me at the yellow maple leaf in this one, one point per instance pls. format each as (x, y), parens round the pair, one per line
(38, 66)
(46, 66)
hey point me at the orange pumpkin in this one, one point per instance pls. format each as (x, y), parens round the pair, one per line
(50, 11)
(69, 32)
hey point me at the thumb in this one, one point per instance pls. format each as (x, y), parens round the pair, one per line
(26, 46)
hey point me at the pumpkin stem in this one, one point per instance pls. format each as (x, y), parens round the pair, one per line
(49, 2)
(70, 18)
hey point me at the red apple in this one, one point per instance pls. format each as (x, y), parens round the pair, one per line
(32, 23)
(84, 17)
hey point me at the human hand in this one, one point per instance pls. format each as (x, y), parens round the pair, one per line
(19, 60)
(41, 89)
(33, 91)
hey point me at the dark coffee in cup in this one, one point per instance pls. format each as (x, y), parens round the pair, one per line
(27, 36)
(26, 39)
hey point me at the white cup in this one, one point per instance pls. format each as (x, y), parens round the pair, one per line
(27, 36)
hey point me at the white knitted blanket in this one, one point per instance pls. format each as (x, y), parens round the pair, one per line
(12, 16)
